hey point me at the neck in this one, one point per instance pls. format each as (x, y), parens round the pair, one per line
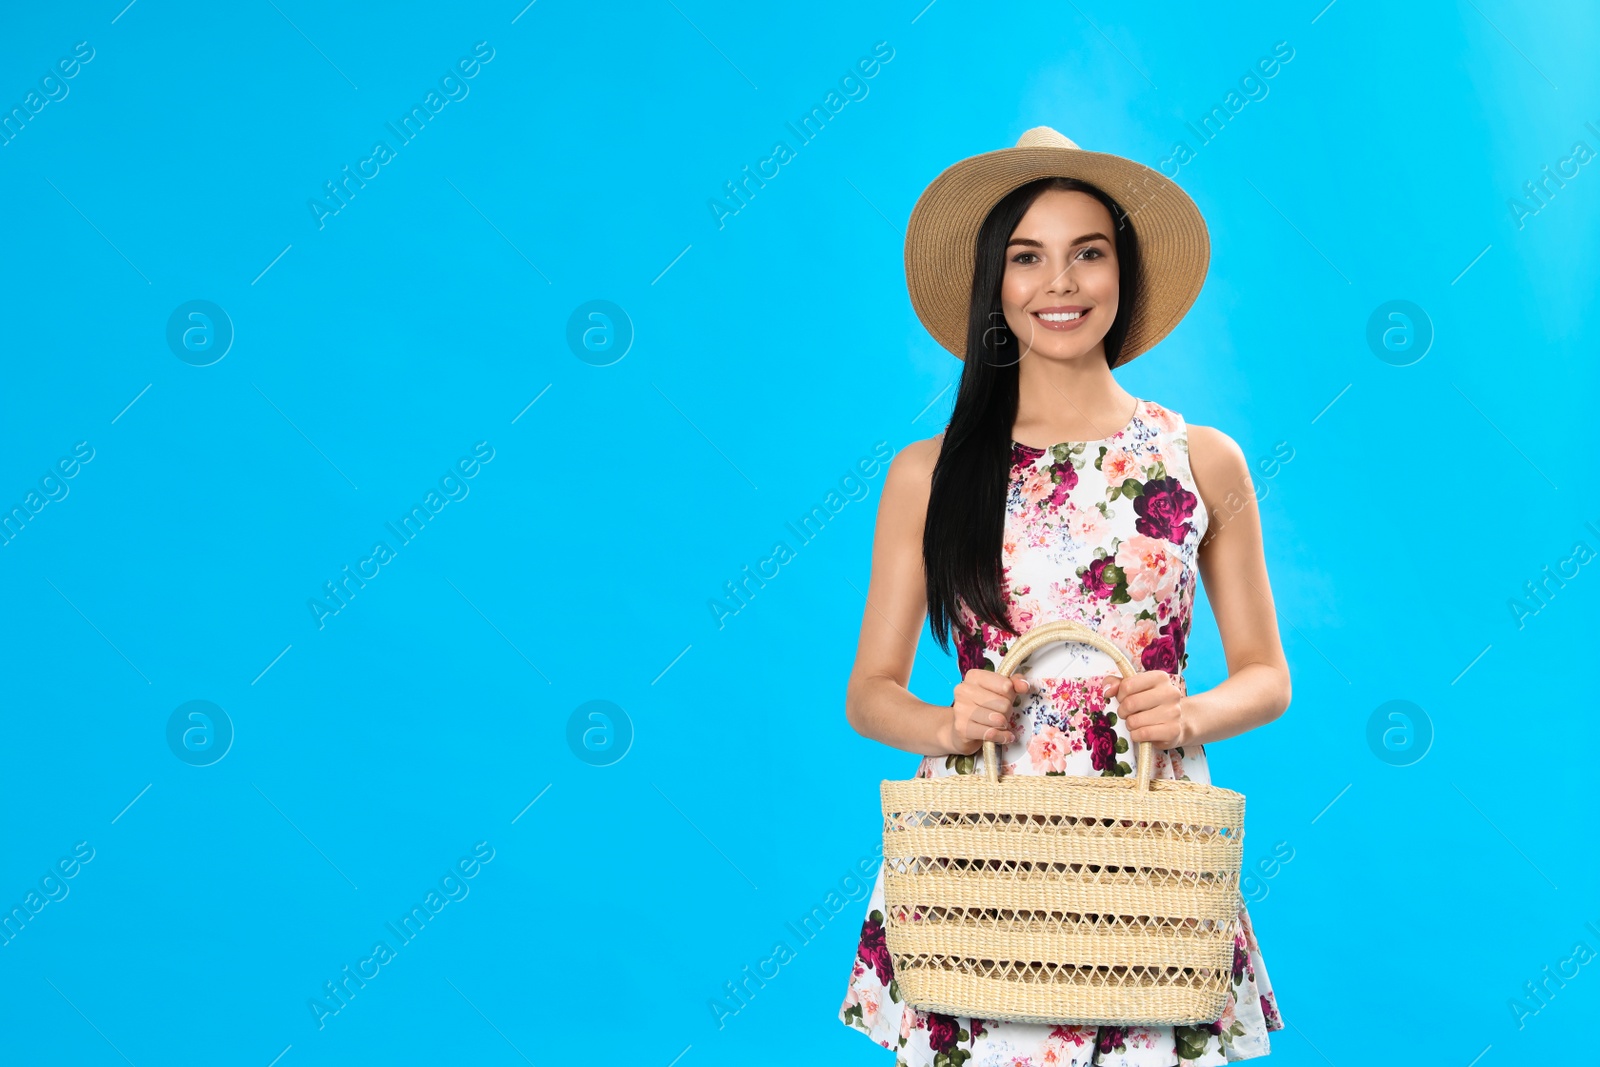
(1070, 399)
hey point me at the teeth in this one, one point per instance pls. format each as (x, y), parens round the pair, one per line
(1060, 316)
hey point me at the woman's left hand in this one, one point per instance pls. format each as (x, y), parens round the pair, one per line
(1152, 705)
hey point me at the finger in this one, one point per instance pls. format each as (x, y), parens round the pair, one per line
(1144, 690)
(1145, 681)
(981, 696)
(988, 726)
(996, 724)
(1155, 735)
(1147, 726)
(995, 734)
(994, 714)
(991, 682)
(1161, 680)
(988, 701)
(992, 706)
(1021, 684)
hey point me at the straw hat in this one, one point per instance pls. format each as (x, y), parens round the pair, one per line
(941, 237)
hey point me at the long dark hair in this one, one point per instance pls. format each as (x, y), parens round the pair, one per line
(966, 505)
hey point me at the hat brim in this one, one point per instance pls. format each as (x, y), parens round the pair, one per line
(942, 235)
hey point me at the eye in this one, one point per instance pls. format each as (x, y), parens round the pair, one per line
(1024, 257)
(1097, 253)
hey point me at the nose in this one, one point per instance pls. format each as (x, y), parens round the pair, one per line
(1063, 282)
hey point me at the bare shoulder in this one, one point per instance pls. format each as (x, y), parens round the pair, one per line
(912, 467)
(908, 484)
(1215, 457)
(1221, 473)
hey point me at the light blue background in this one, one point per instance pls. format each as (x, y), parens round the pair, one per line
(770, 356)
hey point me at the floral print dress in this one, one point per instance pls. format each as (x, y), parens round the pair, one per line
(1107, 533)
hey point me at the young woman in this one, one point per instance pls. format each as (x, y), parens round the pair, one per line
(1054, 493)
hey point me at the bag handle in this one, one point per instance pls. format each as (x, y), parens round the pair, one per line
(1066, 630)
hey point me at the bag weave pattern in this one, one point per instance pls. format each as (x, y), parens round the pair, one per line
(1063, 899)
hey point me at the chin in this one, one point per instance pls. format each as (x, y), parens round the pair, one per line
(1065, 351)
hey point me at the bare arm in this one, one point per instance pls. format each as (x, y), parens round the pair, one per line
(1234, 569)
(878, 703)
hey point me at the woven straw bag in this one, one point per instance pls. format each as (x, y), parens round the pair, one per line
(1063, 899)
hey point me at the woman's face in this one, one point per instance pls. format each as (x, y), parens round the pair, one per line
(1059, 292)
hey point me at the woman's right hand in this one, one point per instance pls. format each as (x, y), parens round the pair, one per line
(982, 710)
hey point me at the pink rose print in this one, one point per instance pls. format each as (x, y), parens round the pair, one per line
(1078, 1035)
(942, 1030)
(1097, 583)
(1151, 567)
(1165, 653)
(869, 1006)
(1024, 610)
(1037, 490)
(873, 949)
(1144, 633)
(1118, 466)
(1164, 509)
(1087, 525)
(1063, 476)
(1159, 417)
(1102, 743)
(1160, 656)
(1111, 1039)
(1023, 457)
(969, 650)
(1048, 750)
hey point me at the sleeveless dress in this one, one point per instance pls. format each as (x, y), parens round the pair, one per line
(1104, 532)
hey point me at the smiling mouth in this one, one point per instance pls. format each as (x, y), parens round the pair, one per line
(1062, 318)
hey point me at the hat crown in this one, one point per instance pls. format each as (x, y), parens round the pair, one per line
(1044, 137)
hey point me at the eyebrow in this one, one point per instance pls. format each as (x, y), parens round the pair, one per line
(1040, 244)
